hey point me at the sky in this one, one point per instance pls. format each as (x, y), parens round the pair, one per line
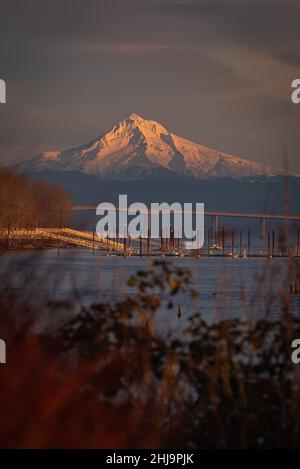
(217, 72)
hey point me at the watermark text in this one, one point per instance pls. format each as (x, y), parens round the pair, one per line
(2, 352)
(2, 92)
(160, 220)
(296, 93)
(296, 353)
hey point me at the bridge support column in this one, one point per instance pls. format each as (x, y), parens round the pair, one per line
(214, 226)
(262, 228)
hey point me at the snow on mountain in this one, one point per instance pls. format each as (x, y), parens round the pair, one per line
(136, 147)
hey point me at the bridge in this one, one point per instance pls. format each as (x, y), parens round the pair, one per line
(216, 215)
(275, 216)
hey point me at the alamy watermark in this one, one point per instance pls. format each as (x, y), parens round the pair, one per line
(295, 97)
(2, 352)
(160, 220)
(296, 353)
(2, 92)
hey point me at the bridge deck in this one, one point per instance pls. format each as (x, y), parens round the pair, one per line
(274, 216)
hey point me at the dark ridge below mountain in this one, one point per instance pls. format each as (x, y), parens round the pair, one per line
(259, 194)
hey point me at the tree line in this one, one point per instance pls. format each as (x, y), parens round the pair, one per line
(25, 203)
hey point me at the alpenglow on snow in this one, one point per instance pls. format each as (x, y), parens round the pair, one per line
(136, 147)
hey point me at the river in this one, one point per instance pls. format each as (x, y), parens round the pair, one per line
(244, 288)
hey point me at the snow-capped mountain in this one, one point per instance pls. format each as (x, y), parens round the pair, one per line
(136, 147)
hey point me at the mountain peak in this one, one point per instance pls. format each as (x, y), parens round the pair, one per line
(146, 126)
(135, 117)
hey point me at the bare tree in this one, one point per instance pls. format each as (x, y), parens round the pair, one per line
(28, 204)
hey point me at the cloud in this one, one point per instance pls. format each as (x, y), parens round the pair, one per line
(93, 48)
(271, 26)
